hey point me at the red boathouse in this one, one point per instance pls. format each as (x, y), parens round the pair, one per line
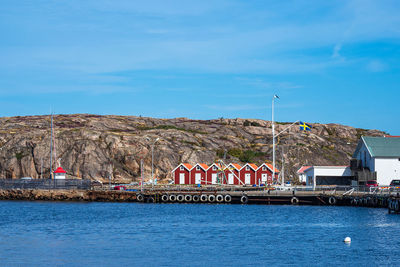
(232, 173)
(248, 173)
(198, 174)
(215, 174)
(264, 174)
(181, 173)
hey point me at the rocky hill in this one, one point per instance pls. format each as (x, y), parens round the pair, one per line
(96, 147)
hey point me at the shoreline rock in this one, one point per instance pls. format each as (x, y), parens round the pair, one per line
(67, 195)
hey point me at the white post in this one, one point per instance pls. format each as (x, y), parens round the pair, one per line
(51, 148)
(152, 158)
(273, 141)
(283, 167)
(314, 181)
(273, 138)
(141, 174)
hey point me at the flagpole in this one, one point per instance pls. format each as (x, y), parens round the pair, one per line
(273, 139)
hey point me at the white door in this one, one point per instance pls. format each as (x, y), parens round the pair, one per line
(230, 178)
(197, 178)
(214, 178)
(182, 178)
(247, 178)
(263, 177)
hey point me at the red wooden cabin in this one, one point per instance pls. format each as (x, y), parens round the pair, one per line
(248, 173)
(181, 174)
(215, 174)
(264, 174)
(198, 174)
(232, 173)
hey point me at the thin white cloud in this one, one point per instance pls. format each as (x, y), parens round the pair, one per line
(376, 66)
(336, 51)
(158, 36)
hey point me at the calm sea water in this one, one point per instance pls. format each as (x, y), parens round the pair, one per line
(127, 234)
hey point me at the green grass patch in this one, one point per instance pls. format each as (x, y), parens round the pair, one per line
(251, 123)
(245, 155)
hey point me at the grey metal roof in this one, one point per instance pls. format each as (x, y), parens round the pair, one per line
(381, 146)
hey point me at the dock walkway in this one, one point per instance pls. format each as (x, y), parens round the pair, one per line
(327, 196)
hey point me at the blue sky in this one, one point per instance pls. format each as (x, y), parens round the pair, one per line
(329, 61)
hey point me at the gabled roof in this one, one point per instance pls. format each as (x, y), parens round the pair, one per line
(235, 165)
(60, 170)
(219, 166)
(202, 165)
(186, 165)
(388, 147)
(269, 166)
(252, 165)
(303, 169)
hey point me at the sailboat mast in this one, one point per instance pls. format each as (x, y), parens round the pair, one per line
(51, 147)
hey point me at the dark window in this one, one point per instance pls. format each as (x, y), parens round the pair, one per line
(198, 168)
(181, 168)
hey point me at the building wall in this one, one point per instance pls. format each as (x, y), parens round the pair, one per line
(340, 171)
(252, 175)
(387, 169)
(59, 176)
(259, 175)
(302, 178)
(309, 176)
(176, 175)
(210, 172)
(236, 172)
(313, 172)
(365, 157)
(193, 175)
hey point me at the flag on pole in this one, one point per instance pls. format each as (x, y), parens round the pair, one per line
(305, 126)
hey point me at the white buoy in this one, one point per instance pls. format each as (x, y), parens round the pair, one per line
(347, 240)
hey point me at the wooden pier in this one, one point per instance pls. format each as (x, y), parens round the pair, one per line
(211, 195)
(267, 197)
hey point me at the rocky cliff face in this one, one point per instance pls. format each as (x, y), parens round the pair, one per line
(97, 147)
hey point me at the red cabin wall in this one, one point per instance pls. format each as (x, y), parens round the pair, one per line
(210, 171)
(260, 171)
(236, 172)
(193, 175)
(252, 175)
(208, 176)
(179, 171)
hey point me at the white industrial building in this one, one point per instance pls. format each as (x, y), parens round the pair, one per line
(377, 158)
(328, 175)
